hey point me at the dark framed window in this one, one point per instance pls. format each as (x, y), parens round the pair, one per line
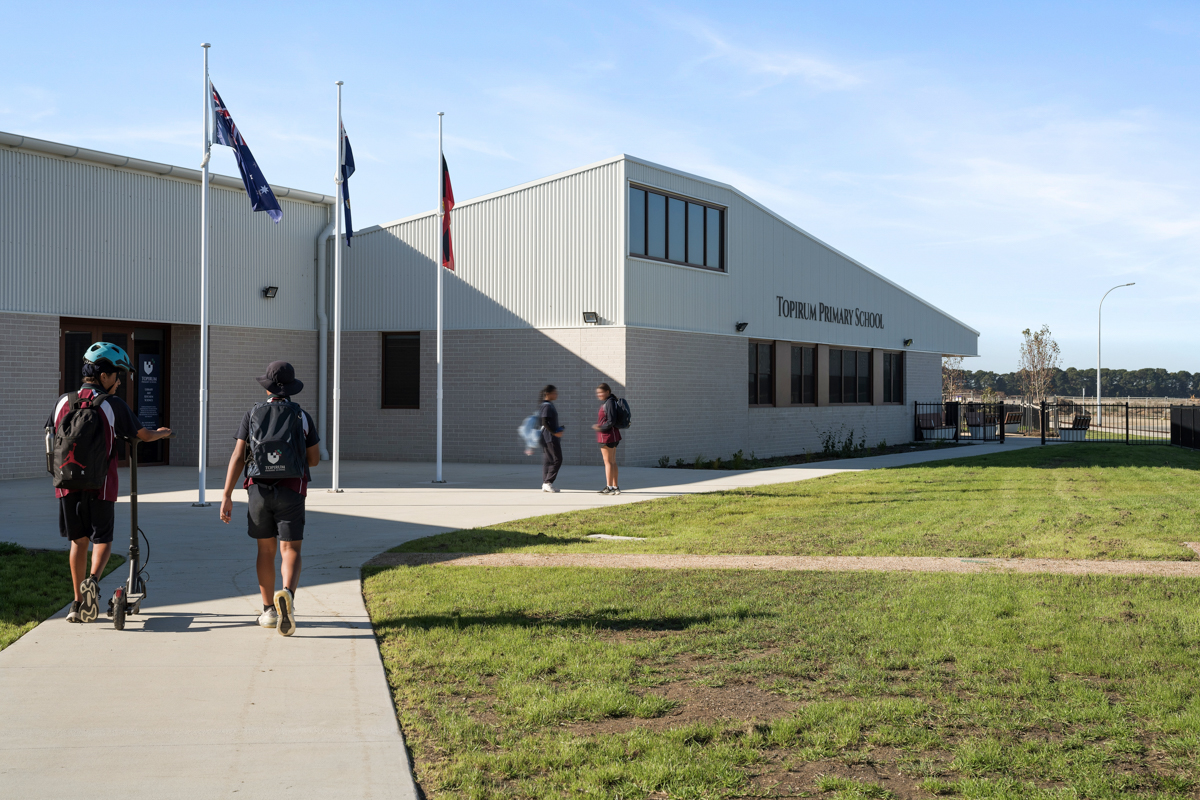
(401, 370)
(893, 377)
(675, 229)
(804, 387)
(849, 376)
(762, 386)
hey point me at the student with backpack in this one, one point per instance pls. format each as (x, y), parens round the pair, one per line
(82, 454)
(552, 432)
(614, 415)
(276, 444)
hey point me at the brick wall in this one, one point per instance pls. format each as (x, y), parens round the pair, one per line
(491, 382)
(688, 396)
(29, 358)
(923, 374)
(236, 357)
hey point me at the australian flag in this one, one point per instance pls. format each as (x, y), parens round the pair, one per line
(347, 171)
(226, 133)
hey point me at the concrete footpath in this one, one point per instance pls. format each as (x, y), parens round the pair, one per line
(194, 700)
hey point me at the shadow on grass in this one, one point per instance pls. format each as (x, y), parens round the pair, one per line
(594, 621)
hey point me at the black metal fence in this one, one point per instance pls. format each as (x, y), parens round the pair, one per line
(1064, 420)
(954, 421)
(1185, 426)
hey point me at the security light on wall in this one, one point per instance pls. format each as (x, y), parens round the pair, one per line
(269, 292)
(591, 318)
(741, 326)
(908, 342)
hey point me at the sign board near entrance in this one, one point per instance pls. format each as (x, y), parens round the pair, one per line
(149, 390)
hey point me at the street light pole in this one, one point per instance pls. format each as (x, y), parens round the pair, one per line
(1099, 320)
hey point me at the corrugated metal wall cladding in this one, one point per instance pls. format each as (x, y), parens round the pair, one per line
(767, 258)
(85, 240)
(537, 257)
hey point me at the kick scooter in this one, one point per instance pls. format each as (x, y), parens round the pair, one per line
(128, 599)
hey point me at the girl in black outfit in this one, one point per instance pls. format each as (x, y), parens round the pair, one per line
(551, 439)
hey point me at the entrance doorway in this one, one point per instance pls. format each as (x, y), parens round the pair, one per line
(146, 390)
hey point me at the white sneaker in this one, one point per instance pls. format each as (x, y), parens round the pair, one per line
(549, 487)
(285, 608)
(268, 618)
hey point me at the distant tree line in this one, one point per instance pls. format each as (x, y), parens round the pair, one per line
(1073, 382)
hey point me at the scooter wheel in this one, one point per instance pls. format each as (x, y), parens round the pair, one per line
(119, 605)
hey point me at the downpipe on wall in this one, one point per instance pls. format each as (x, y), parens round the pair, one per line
(322, 338)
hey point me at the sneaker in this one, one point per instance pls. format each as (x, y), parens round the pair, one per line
(268, 618)
(549, 487)
(89, 606)
(73, 614)
(614, 490)
(284, 606)
(605, 490)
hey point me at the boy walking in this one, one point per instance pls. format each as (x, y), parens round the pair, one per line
(276, 444)
(85, 426)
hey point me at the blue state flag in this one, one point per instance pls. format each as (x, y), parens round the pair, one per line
(227, 133)
(347, 171)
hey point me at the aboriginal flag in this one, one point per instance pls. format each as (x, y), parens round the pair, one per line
(447, 204)
(262, 198)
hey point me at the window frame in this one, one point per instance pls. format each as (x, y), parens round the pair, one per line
(842, 377)
(756, 344)
(722, 267)
(383, 369)
(897, 364)
(811, 348)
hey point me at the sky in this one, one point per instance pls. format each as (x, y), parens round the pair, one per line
(1006, 162)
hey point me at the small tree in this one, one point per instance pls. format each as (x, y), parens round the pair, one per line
(953, 377)
(1038, 363)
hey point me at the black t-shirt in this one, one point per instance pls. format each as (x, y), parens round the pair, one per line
(298, 485)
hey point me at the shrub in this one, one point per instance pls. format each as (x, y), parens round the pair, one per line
(664, 462)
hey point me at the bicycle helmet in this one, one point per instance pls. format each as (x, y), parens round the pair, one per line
(106, 352)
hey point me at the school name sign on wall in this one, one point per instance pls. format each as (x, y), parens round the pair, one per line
(798, 309)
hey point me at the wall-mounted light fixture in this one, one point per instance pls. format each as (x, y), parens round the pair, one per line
(741, 326)
(269, 292)
(591, 318)
(908, 342)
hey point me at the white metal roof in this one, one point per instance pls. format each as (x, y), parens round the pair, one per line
(18, 142)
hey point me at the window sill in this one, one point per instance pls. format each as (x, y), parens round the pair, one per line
(665, 263)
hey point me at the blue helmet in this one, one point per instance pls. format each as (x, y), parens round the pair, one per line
(107, 353)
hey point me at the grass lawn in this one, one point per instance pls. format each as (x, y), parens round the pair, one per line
(1094, 501)
(33, 585)
(555, 683)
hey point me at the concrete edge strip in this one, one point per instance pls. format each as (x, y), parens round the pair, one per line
(1168, 569)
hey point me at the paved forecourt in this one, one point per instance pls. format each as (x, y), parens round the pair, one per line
(194, 700)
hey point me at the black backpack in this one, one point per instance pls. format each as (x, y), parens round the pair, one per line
(622, 416)
(81, 448)
(275, 448)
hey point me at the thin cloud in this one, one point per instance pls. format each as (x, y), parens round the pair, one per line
(778, 65)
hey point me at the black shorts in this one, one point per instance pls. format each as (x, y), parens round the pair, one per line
(275, 511)
(612, 445)
(82, 516)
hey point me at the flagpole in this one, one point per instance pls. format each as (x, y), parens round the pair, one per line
(337, 303)
(204, 199)
(440, 269)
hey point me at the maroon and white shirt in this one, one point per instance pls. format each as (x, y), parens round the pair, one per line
(121, 423)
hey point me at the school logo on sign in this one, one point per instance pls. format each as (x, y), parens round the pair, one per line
(148, 366)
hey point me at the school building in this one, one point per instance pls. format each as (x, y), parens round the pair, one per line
(726, 326)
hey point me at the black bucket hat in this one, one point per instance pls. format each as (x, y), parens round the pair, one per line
(281, 379)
